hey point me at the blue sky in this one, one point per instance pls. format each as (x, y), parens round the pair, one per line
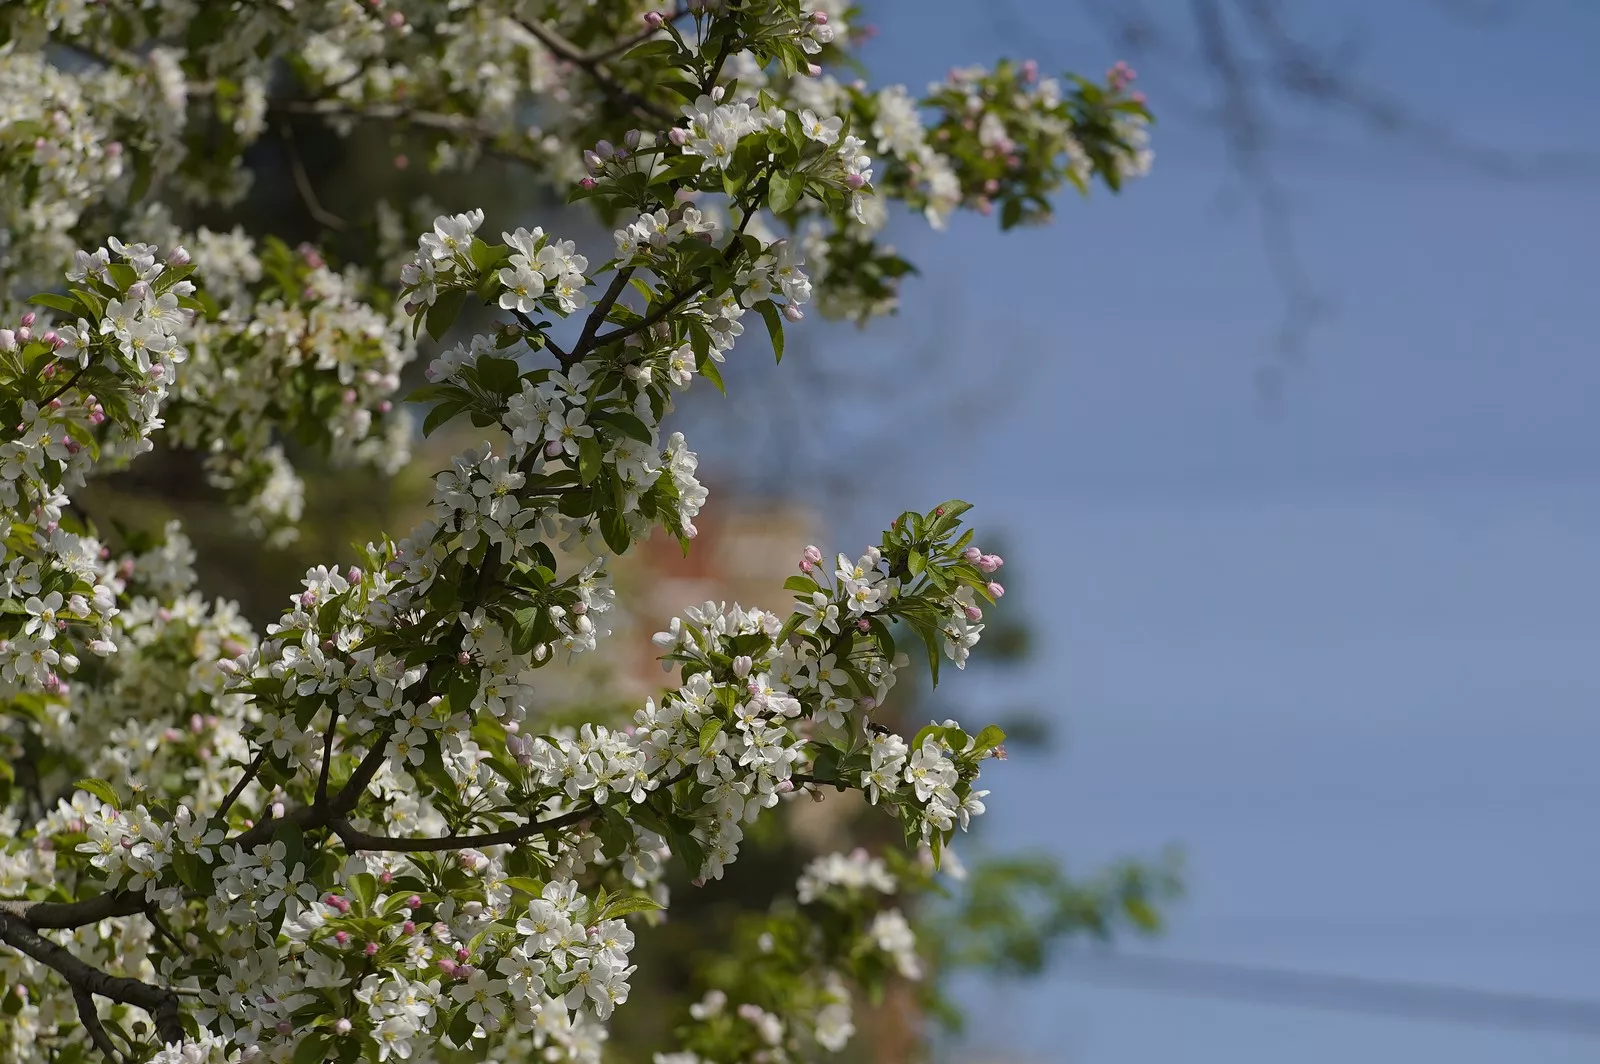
(1343, 649)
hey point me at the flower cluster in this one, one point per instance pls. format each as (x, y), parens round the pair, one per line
(361, 835)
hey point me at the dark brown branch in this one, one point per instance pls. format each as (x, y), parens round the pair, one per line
(327, 755)
(43, 915)
(309, 817)
(250, 771)
(354, 839)
(91, 1023)
(598, 314)
(159, 1002)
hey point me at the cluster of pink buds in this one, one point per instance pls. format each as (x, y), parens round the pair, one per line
(810, 559)
(987, 563)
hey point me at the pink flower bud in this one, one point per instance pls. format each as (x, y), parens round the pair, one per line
(813, 70)
(29, 318)
(586, 183)
(414, 902)
(462, 954)
(819, 17)
(72, 445)
(678, 135)
(8, 340)
(464, 658)
(854, 180)
(742, 665)
(972, 554)
(718, 93)
(353, 575)
(284, 1027)
(114, 149)
(178, 256)
(863, 625)
(654, 20)
(408, 928)
(342, 937)
(396, 20)
(699, 881)
(806, 566)
(1030, 70)
(53, 339)
(784, 786)
(447, 966)
(385, 406)
(25, 333)
(990, 562)
(553, 449)
(350, 396)
(994, 589)
(385, 877)
(985, 205)
(401, 162)
(973, 613)
(793, 312)
(277, 810)
(370, 948)
(342, 1025)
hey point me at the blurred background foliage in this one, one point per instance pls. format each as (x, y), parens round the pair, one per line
(770, 461)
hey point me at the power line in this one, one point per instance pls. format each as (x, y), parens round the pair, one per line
(1342, 993)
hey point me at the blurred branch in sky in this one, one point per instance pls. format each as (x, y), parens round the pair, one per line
(1276, 89)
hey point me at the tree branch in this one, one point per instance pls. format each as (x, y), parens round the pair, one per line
(43, 915)
(159, 1002)
(598, 314)
(302, 183)
(354, 839)
(592, 65)
(250, 771)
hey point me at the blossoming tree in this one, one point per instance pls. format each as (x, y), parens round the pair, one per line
(353, 836)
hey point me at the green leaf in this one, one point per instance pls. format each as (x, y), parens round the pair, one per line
(101, 790)
(802, 584)
(527, 886)
(461, 1027)
(65, 304)
(709, 730)
(614, 530)
(632, 903)
(499, 374)
(440, 414)
(915, 562)
(770, 315)
(624, 423)
(97, 306)
(591, 459)
(785, 190)
(294, 843)
(443, 313)
(311, 1049)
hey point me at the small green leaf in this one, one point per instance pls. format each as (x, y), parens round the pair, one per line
(614, 530)
(443, 313)
(461, 1028)
(590, 459)
(708, 734)
(802, 584)
(770, 315)
(65, 304)
(785, 190)
(632, 903)
(101, 790)
(440, 414)
(624, 423)
(989, 738)
(311, 1049)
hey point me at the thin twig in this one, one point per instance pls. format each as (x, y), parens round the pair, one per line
(591, 65)
(327, 756)
(598, 314)
(91, 1023)
(302, 183)
(250, 771)
(354, 839)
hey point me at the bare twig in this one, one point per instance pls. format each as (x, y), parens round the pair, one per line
(593, 66)
(302, 183)
(598, 314)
